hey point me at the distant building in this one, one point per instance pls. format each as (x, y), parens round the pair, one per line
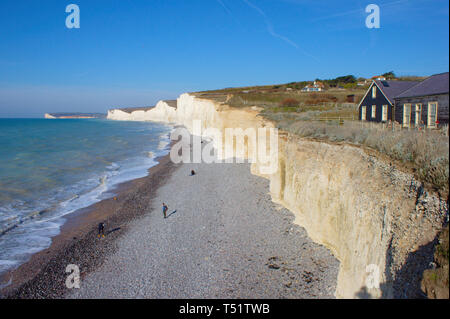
(378, 103)
(425, 104)
(378, 78)
(315, 87)
(410, 103)
(364, 83)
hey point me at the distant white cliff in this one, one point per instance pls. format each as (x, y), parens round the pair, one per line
(164, 111)
(73, 115)
(376, 218)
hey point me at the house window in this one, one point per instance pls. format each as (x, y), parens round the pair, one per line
(406, 115)
(374, 92)
(432, 114)
(384, 117)
(418, 115)
(363, 113)
(374, 111)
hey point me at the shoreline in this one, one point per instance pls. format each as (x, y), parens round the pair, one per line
(223, 238)
(43, 275)
(227, 239)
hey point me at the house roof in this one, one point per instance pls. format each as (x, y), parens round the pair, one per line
(391, 89)
(316, 84)
(435, 84)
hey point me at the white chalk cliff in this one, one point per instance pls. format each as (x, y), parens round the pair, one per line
(376, 219)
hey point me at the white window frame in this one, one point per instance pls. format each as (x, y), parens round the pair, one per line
(363, 113)
(374, 92)
(408, 114)
(384, 114)
(429, 124)
(418, 114)
(374, 111)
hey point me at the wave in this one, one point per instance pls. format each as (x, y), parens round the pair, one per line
(163, 144)
(27, 227)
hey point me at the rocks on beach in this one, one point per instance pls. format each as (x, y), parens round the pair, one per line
(227, 240)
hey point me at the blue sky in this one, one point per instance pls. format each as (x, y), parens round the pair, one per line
(136, 52)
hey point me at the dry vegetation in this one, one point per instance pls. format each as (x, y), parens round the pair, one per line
(427, 151)
(435, 282)
(285, 99)
(331, 115)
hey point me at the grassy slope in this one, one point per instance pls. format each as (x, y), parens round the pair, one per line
(332, 102)
(328, 115)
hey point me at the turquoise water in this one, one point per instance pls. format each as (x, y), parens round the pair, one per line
(50, 168)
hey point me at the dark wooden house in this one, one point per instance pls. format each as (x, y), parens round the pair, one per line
(378, 103)
(425, 104)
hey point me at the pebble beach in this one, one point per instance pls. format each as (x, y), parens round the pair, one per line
(223, 238)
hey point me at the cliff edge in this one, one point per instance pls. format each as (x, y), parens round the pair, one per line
(376, 218)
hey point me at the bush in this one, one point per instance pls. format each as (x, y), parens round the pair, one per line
(428, 151)
(289, 102)
(350, 85)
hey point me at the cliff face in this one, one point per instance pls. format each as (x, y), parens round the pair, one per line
(73, 115)
(189, 108)
(376, 219)
(162, 112)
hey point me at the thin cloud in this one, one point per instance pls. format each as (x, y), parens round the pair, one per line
(225, 7)
(336, 15)
(270, 26)
(222, 4)
(272, 32)
(360, 11)
(393, 3)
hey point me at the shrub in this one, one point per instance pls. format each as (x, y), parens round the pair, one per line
(289, 102)
(428, 151)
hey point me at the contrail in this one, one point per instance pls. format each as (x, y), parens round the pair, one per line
(272, 32)
(361, 10)
(225, 7)
(229, 12)
(269, 25)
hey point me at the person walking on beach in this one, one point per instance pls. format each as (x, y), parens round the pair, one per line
(165, 208)
(101, 230)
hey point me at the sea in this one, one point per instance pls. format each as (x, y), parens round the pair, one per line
(51, 168)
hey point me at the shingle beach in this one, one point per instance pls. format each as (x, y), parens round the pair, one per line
(224, 238)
